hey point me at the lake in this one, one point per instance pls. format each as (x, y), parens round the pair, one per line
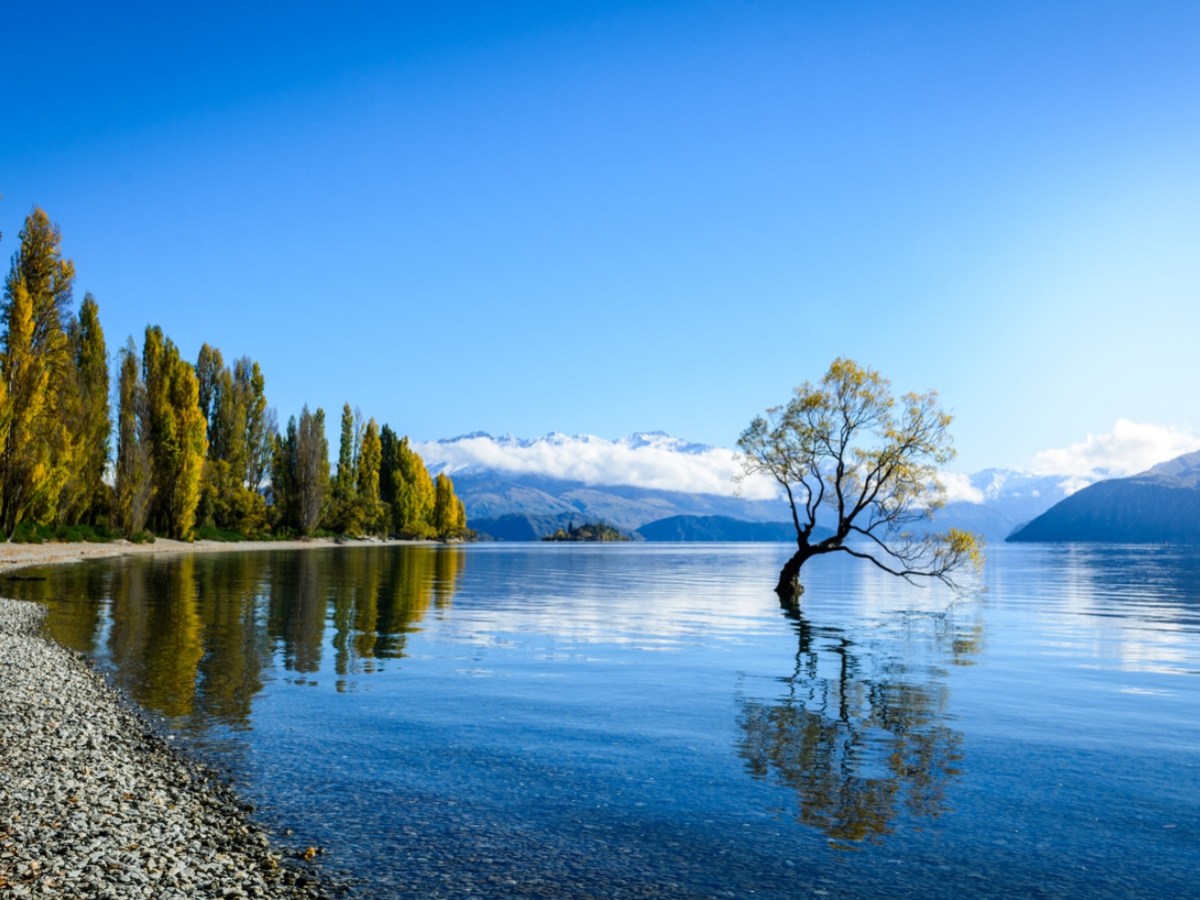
(645, 720)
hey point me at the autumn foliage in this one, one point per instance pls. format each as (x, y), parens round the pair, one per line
(197, 448)
(864, 464)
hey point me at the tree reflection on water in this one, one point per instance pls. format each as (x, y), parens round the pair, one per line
(860, 735)
(189, 636)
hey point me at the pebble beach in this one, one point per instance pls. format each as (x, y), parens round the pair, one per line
(93, 801)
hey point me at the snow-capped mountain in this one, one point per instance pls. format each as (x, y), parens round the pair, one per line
(522, 488)
(650, 460)
(1018, 496)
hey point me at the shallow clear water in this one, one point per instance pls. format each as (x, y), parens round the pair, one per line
(644, 720)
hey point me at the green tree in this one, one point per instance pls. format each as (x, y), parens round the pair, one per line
(344, 479)
(87, 498)
(311, 484)
(388, 442)
(239, 444)
(134, 486)
(209, 367)
(223, 498)
(371, 510)
(226, 424)
(283, 479)
(260, 425)
(347, 514)
(870, 462)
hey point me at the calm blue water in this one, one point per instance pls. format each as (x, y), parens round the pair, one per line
(644, 720)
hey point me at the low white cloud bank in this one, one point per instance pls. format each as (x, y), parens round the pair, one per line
(659, 462)
(656, 462)
(959, 489)
(1131, 447)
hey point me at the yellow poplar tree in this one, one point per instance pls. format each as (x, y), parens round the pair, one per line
(460, 517)
(369, 459)
(177, 435)
(412, 511)
(449, 516)
(25, 458)
(185, 406)
(38, 372)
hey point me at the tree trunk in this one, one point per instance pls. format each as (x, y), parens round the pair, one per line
(789, 588)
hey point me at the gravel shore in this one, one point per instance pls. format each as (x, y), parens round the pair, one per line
(94, 803)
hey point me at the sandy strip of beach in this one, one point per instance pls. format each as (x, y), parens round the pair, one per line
(16, 556)
(95, 803)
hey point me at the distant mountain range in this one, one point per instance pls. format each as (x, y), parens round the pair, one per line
(719, 528)
(1001, 500)
(1160, 505)
(657, 487)
(509, 506)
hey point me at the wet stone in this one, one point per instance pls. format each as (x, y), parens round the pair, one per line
(93, 803)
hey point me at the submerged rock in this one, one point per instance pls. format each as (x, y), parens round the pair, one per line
(93, 803)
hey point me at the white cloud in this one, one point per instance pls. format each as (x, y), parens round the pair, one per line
(662, 463)
(1131, 447)
(959, 488)
(655, 462)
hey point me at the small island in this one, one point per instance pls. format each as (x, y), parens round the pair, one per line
(587, 532)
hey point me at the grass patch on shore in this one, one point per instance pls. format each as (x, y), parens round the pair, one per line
(210, 533)
(29, 533)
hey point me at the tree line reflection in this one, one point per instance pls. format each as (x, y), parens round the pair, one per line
(190, 636)
(859, 734)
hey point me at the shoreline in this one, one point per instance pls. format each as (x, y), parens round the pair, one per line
(21, 556)
(94, 801)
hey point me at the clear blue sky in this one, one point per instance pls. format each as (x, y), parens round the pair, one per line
(604, 218)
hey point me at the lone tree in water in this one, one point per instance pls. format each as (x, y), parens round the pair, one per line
(870, 460)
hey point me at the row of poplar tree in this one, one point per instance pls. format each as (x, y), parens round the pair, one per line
(197, 447)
